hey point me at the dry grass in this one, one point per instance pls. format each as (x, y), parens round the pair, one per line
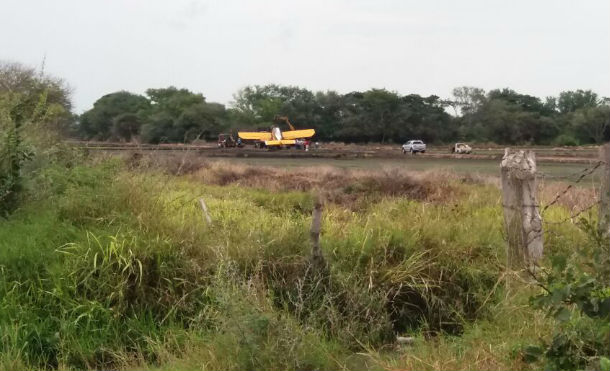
(345, 186)
(338, 185)
(573, 197)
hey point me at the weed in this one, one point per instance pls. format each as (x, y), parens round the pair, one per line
(112, 267)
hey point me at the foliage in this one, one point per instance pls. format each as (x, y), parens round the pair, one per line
(259, 104)
(114, 113)
(565, 140)
(115, 262)
(12, 156)
(468, 99)
(375, 115)
(181, 116)
(105, 267)
(590, 124)
(507, 117)
(126, 126)
(570, 101)
(164, 115)
(503, 116)
(34, 109)
(577, 294)
(18, 79)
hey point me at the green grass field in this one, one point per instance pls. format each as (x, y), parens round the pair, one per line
(111, 266)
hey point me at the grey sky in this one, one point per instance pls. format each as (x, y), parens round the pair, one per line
(217, 47)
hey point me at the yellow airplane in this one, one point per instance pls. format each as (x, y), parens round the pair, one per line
(277, 137)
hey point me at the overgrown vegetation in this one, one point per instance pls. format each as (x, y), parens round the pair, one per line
(34, 109)
(121, 271)
(576, 292)
(107, 264)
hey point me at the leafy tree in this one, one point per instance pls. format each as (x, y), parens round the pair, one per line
(260, 104)
(98, 122)
(376, 115)
(426, 118)
(159, 128)
(370, 116)
(327, 114)
(468, 99)
(179, 115)
(591, 124)
(257, 104)
(570, 101)
(126, 126)
(172, 100)
(506, 116)
(550, 104)
(526, 102)
(33, 108)
(37, 91)
(203, 120)
(301, 107)
(16, 78)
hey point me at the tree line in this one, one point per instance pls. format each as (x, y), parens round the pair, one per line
(502, 116)
(169, 115)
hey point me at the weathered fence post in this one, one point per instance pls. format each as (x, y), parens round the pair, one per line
(604, 199)
(521, 211)
(314, 233)
(206, 213)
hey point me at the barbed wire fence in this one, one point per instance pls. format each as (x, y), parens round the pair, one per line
(524, 215)
(574, 180)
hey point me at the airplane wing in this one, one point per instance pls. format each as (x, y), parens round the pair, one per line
(282, 142)
(260, 135)
(298, 134)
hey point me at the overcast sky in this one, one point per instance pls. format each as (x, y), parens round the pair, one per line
(217, 47)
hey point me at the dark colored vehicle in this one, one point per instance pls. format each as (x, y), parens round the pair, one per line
(228, 141)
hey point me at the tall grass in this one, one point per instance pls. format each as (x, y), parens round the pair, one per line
(111, 267)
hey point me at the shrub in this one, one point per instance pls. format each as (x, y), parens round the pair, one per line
(565, 140)
(576, 292)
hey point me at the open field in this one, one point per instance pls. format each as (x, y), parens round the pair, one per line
(109, 264)
(585, 154)
(554, 163)
(548, 170)
(462, 166)
(280, 186)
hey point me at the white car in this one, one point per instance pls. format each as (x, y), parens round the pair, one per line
(461, 148)
(414, 146)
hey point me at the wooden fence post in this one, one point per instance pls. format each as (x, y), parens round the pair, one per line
(314, 233)
(206, 213)
(522, 218)
(604, 199)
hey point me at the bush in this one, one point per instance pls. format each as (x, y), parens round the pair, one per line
(13, 155)
(565, 140)
(576, 292)
(125, 270)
